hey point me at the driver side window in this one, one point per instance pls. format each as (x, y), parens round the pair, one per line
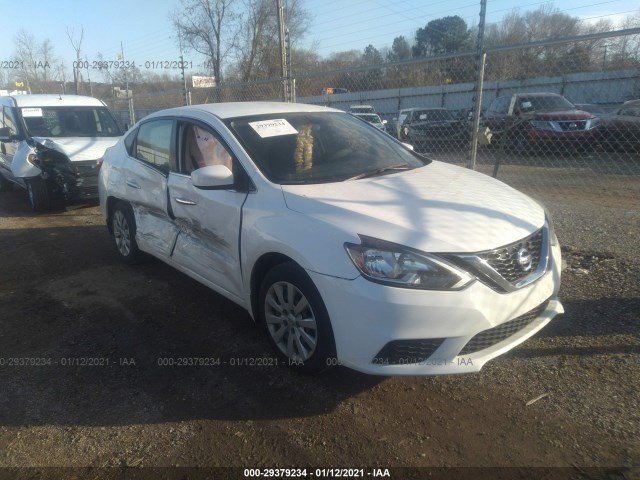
(8, 121)
(200, 148)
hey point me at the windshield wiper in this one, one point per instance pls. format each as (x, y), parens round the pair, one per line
(380, 171)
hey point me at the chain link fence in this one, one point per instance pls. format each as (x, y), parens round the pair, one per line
(551, 115)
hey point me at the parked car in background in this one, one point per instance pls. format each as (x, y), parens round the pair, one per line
(50, 145)
(361, 109)
(542, 122)
(333, 91)
(374, 119)
(430, 128)
(621, 131)
(346, 246)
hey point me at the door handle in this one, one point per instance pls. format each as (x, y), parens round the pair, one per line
(133, 184)
(185, 201)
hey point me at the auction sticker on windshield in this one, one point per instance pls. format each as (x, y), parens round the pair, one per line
(32, 112)
(273, 128)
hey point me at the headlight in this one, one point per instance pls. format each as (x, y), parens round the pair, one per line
(553, 239)
(544, 125)
(395, 265)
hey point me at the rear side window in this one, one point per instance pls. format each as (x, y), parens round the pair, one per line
(129, 141)
(154, 144)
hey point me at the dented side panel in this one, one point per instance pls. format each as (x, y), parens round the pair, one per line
(209, 223)
(146, 190)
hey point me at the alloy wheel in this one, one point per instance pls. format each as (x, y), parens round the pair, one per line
(122, 233)
(291, 321)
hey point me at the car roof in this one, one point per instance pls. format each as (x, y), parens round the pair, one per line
(537, 94)
(631, 102)
(244, 109)
(422, 109)
(48, 100)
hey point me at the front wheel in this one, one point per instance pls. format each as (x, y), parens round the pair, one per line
(123, 226)
(296, 319)
(5, 185)
(39, 195)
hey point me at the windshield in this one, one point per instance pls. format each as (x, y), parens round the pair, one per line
(551, 102)
(70, 121)
(294, 148)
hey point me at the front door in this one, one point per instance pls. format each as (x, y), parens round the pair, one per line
(208, 220)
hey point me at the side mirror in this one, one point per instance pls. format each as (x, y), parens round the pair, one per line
(408, 145)
(213, 177)
(6, 136)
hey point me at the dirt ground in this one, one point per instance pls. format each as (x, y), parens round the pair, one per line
(84, 339)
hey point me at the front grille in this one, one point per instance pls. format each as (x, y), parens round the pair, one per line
(407, 352)
(89, 191)
(86, 168)
(494, 335)
(573, 125)
(504, 260)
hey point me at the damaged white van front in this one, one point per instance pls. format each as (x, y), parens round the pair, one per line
(51, 146)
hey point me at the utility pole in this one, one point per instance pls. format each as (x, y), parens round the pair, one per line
(185, 95)
(132, 118)
(604, 58)
(290, 87)
(477, 97)
(88, 77)
(283, 60)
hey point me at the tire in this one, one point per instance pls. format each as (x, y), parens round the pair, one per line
(39, 195)
(296, 320)
(519, 144)
(5, 185)
(123, 226)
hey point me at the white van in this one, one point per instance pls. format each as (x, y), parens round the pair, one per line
(50, 145)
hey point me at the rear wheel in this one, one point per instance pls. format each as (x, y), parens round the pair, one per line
(296, 319)
(123, 226)
(39, 195)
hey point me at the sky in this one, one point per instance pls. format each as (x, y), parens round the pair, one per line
(147, 35)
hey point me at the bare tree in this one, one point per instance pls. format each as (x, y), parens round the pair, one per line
(39, 65)
(257, 40)
(77, 46)
(208, 27)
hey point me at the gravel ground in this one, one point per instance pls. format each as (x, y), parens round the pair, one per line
(567, 398)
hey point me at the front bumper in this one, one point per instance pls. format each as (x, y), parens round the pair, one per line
(579, 138)
(367, 318)
(74, 180)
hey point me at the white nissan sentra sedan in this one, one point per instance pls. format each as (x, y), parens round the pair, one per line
(344, 244)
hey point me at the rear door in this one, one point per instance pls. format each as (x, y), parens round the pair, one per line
(146, 178)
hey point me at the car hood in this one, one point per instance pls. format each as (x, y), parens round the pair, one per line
(78, 148)
(436, 208)
(561, 115)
